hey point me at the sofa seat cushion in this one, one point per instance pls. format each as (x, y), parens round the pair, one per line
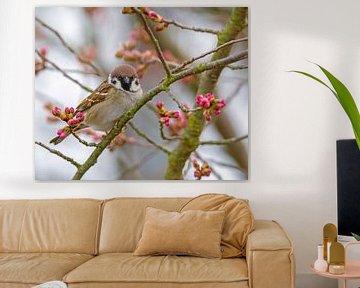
(127, 268)
(36, 268)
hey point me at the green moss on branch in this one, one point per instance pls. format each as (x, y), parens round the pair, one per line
(191, 138)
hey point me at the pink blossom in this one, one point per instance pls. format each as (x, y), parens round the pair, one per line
(153, 14)
(175, 114)
(55, 111)
(200, 171)
(80, 116)
(73, 122)
(165, 120)
(61, 133)
(159, 104)
(210, 96)
(217, 112)
(43, 50)
(211, 105)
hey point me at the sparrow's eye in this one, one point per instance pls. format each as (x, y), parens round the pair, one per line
(113, 81)
(136, 82)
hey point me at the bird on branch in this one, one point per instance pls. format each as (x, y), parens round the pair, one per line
(104, 106)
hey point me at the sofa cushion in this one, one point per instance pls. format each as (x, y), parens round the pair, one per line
(64, 226)
(126, 268)
(123, 220)
(239, 220)
(193, 232)
(36, 268)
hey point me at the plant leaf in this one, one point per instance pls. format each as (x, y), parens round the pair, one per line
(316, 79)
(347, 102)
(344, 97)
(357, 237)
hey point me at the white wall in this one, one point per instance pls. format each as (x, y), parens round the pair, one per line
(294, 122)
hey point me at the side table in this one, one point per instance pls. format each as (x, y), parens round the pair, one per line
(352, 268)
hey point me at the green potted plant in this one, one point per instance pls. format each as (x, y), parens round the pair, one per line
(345, 99)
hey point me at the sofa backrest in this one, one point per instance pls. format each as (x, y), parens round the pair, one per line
(123, 220)
(67, 226)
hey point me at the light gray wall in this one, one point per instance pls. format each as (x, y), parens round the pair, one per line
(293, 127)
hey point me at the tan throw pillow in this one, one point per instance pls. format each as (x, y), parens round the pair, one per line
(196, 233)
(239, 221)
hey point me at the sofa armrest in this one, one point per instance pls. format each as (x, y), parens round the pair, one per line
(269, 256)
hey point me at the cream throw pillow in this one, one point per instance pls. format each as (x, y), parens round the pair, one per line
(193, 232)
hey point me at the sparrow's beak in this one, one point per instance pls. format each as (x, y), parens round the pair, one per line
(127, 80)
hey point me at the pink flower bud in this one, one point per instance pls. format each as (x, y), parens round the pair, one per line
(217, 112)
(175, 114)
(73, 122)
(153, 14)
(206, 171)
(43, 50)
(63, 135)
(67, 110)
(208, 117)
(72, 110)
(199, 99)
(55, 111)
(58, 132)
(221, 103)
(196, 164)
(80, 116)
(209, 96)
(197, 174)
(160, 27)
(205, 103)
(159, 104)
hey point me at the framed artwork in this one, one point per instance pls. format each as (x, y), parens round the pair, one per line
(141, 93)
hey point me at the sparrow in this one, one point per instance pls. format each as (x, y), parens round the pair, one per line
(108, 102)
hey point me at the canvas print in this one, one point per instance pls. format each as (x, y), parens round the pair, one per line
(141, 93)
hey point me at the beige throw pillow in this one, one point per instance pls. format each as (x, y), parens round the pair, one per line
(239, 220)
(196, 233)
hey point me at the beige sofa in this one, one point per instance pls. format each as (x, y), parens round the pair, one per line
(89, 243)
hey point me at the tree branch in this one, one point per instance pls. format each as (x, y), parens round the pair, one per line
(148, 139)
(237, 67)
(75, 71)
(167, 138)
(155, 42)
(223, 141)
(192, 28)
(58, 153)
(163, 86)
(68, 47)
(190, 138)
(231, 42)
(180, 105)
(62, 71)
(82, 141)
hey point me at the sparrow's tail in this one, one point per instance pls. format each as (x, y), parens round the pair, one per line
(65, 132)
